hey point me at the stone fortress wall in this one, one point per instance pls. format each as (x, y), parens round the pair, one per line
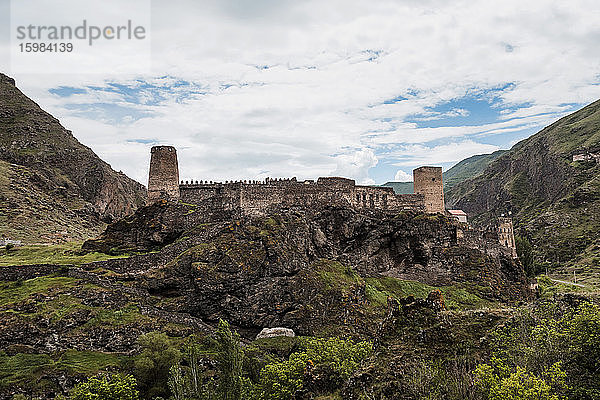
(257, 197)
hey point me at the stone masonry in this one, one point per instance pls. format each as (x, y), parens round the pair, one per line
(428, 182)
(258, 197)
(163, 179)
(506, 234)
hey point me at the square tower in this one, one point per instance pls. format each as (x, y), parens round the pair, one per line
(428, 182)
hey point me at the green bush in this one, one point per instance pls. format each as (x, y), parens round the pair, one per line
(500, 382)
(549, 347)
(108, 387)
(153, 365)
(338, 357)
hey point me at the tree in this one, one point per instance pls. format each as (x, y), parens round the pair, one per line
(153, 365)
(498, 382)
(230, 358)
(187, 381)
(525, 253)
(336, 358)
(553, 344)
(107, 387)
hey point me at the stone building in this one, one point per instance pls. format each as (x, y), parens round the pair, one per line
(458, 215)
(258, 197)
(163, 179)
(506, 235)
(428, 182)
(587, 155)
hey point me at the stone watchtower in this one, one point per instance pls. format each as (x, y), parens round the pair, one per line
(428, 182)
(506, 235)
(163, 179)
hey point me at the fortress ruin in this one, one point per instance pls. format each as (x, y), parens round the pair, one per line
(252, 197)
(257, 198)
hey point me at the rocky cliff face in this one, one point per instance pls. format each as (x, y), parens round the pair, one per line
(554, 199)
(55, 182)
(300, 269)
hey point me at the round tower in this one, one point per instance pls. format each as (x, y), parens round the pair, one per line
(163, 178)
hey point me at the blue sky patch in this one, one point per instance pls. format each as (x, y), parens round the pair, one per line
(66, 91)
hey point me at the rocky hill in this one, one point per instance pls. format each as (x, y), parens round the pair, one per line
(52, 187)
(327, 272)
(258, 272)
(554, 199)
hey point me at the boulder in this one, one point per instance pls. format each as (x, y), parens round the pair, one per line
(274, 332)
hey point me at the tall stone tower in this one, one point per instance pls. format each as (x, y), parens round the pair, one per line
(506, 235)
(428, 182)
(163, 179)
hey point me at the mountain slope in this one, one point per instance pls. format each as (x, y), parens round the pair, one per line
(469, 168)
(555, 200)
(52, 186)
(466, 169)
(401, 187)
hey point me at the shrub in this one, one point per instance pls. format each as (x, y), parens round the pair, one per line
(108, 387)
(338, 357)
(153, 365)
(547, 347)
(188, 381)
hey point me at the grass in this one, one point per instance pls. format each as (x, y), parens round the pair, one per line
(14, 292)
(456, 297)
(549, 288)
(30, 369)
(127, 315)
(336, 276)
(62, 254)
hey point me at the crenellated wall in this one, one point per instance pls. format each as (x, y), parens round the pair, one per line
(259, 197)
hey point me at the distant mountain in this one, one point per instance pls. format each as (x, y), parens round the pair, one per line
(555, 201)
(466, 169)
(53, 188)
(400, 187)
(469, 168)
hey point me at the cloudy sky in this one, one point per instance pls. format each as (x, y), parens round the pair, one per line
(361, 89)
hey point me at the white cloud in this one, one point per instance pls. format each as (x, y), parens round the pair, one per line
(356, 163)
(417, 154)
(318, 106)
(402, 176)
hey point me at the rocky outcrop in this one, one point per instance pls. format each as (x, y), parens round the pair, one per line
(50, 174)
(293, 268)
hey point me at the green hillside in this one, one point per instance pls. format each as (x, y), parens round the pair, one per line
(469, 168)
(555, 201)
(52, 187)
(400, 187)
